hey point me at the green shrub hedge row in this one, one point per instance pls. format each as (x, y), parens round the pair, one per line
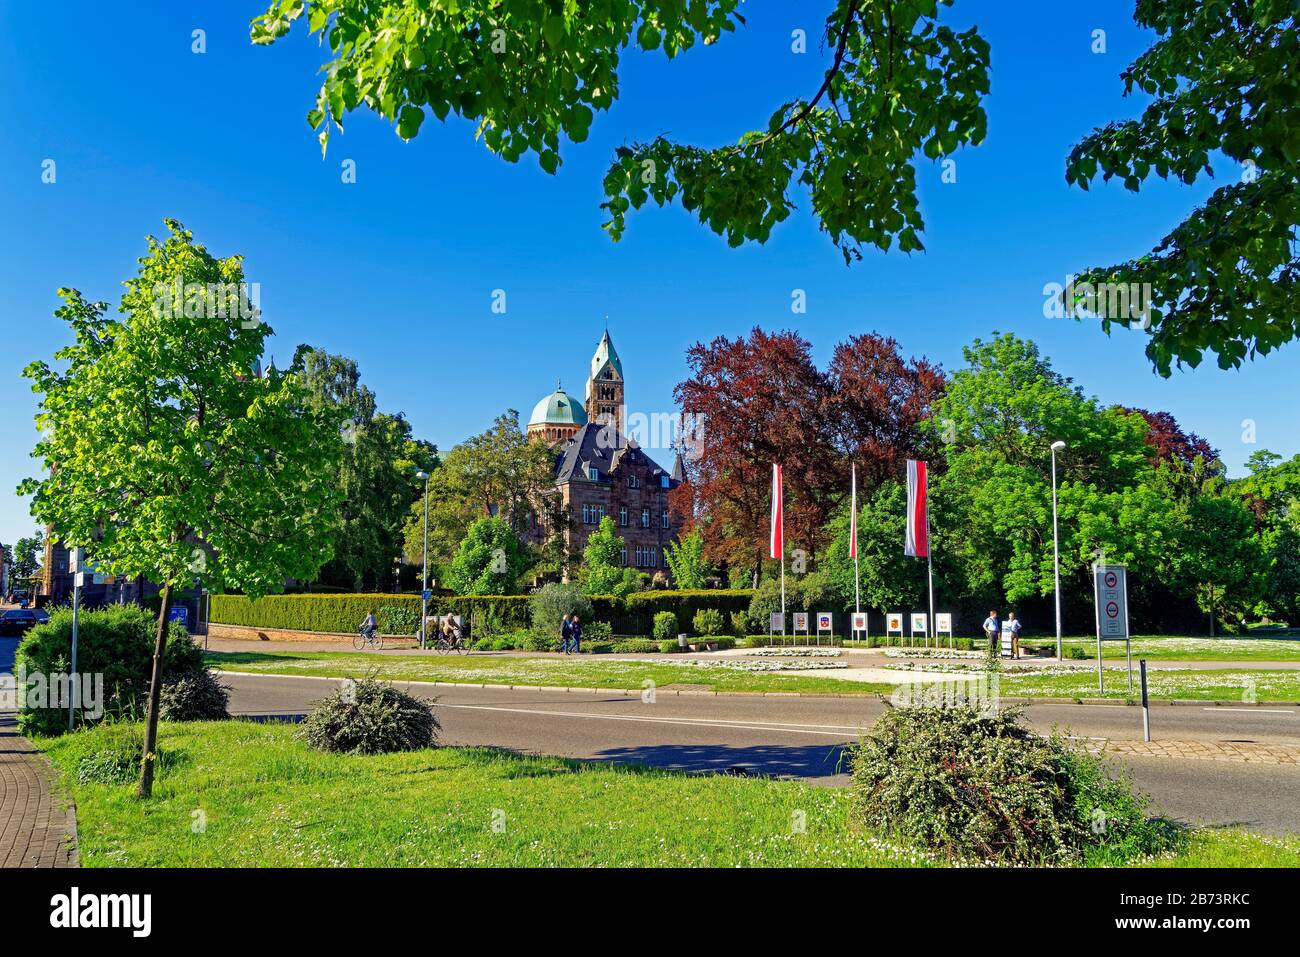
(485, 614)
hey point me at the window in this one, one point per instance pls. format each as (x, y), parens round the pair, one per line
(592, 514)
(663, 481)
(645, 518)
(633, 482)
(623, 557)
(622, 518)
(663, 520)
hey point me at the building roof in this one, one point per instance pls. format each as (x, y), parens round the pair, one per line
(558, 408)
(606, 356)
(595, 450)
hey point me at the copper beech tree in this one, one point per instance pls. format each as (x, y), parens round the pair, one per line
(761, 400)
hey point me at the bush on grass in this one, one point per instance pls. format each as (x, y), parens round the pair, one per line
(197, 696)
(665, 626)
(977, 787)
(551, 603)
(709, 622)
(1077, 653)
(368, 717)
(636, 646)
(117, 642)
(669, 647)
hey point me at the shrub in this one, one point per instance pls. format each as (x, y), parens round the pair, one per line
(669, 647)
(539, 641)
(709, 622)
(551, 603)
(1077, 652)
(665, 625)
(367, 717)
(964, 644)
(740, 623)
(643, 606)
(398, 619)
(342, 614)
(197, 696)
(117, 642)
(636, 646)
(596, 631)
(976, 787)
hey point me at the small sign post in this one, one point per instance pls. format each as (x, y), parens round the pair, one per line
(943, 626)
(859, 625)
(921, 623)
(776, 625)
(1110, 597)
(801, 623)
(825, 624)
(894, 626)
(1146, 708)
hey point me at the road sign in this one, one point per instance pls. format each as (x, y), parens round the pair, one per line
(1110, 596)
(1111, 586)
(180, 613)
(426, 595)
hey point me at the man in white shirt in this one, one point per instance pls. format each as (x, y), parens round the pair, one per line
(1015, 634)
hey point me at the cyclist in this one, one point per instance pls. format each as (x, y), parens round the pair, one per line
(369, 626)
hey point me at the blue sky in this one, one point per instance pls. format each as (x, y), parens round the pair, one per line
(398, 268)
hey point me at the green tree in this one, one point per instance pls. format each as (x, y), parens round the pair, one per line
(602, 563)
(900, 84)
(489, 561)
(1222, 557)
(496, 473)
(685, 559)
(28, 553)
(889, 580)
(168, 454)
(1222, 79)
(376, 473)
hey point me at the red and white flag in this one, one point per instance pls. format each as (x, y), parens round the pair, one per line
(777, 539)
(853, 518)
(918, 519)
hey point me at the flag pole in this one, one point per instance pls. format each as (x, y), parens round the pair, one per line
(853, 527)
(929, 572)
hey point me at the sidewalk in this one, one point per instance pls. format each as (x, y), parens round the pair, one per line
(1204, 750)
(36, 828)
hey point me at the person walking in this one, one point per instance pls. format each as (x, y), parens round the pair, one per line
(575, 633)
(1014, 625)
(564, 634)
(992, 628)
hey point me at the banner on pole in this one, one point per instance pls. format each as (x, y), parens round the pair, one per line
(853, 516)
(918, 528)
(776, 542)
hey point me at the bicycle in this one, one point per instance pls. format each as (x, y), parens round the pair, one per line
(445, 645)
(365, 640)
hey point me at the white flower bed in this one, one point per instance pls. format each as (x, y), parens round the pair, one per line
(797, 653)
(931, 653)
(737, 664)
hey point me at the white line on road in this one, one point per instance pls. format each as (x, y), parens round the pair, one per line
(1250, 710)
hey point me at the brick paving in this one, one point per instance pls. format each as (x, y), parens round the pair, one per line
(1205, 750)
(37, 828)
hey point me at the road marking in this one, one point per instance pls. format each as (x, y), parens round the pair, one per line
(1250, 710)
(691, 722)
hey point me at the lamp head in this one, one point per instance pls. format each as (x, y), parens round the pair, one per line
(422, 475)
(1058, 445)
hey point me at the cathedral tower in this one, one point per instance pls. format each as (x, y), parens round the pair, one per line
(605, 387)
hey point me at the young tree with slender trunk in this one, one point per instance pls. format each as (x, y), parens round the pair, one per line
(169, 453)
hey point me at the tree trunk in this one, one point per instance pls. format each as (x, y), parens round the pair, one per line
(155, 691)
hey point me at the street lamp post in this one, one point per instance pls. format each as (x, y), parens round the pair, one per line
(424, 575)
(1056, 549)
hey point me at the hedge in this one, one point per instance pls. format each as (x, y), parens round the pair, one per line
(486, 614)
(643, 605)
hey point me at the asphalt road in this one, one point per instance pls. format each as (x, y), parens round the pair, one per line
(803, 737)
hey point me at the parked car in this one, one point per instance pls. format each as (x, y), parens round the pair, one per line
(16, 622)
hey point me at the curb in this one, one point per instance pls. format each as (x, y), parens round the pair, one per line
(1112, 702)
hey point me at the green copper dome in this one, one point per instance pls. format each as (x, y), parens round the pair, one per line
(558, 408)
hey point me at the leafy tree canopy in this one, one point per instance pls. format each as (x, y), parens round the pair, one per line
(529, 73)
(489, 561)
(602, 564)
(1222, 77)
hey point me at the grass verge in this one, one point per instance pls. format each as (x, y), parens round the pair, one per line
(243, 794)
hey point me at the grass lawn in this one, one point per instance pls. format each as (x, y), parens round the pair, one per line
(1193, 685)
(601, 672)
(1181, 648)
(244, 794)
(552, 671)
